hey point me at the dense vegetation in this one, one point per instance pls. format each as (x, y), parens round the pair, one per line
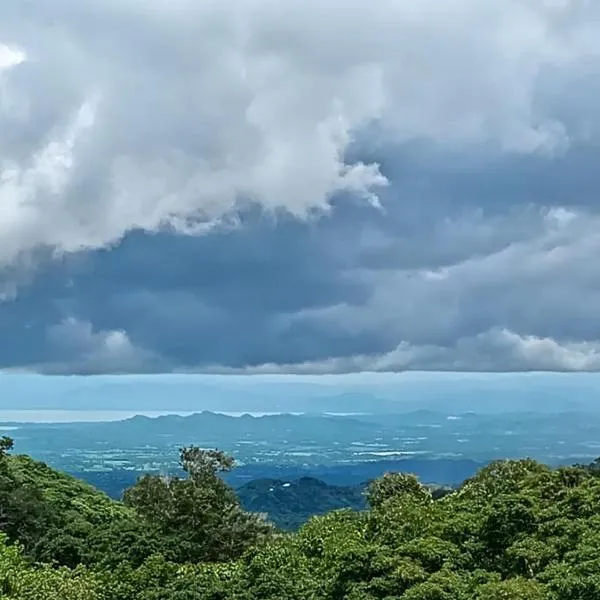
(518, 530)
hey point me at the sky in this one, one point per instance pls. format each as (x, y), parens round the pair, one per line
(299, 187)
(30, 396)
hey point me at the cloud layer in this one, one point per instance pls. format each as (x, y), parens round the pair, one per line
(304, 186)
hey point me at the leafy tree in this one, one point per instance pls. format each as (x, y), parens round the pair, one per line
(199, 515)
(512, 589)
(22, 512)
(395, 485)
(21, 581)
(6, 444)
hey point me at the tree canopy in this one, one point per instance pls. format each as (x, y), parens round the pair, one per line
(518, 530)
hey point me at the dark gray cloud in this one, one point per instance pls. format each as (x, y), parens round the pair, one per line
(209, 189)
(511, 287)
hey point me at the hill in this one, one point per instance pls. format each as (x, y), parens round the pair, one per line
(265, 446)
(63, 494)
(290, 504)
(58, 517)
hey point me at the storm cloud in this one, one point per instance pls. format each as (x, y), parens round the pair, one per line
(299, 187)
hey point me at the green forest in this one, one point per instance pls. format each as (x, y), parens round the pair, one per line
(518, 530)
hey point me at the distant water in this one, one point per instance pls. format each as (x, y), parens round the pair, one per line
(96, 416)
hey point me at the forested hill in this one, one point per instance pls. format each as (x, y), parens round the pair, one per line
(518, 530)
(290, 504)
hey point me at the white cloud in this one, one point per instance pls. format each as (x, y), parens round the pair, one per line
(81, 349)
(10, 57)
(494, 350)
(204, 104)
(34, 208)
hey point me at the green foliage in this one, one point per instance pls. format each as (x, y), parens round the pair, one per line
(396, 485)
(512, 589)
(516, 531)
(6, 444)
(60, 519)
(199, 516)
(21, 581)
(63, 521)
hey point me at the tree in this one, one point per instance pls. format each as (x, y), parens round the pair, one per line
(6, 444)
(22, 513)
(512, 589)
(20, 581)
(201, 464)
(395, 485)
(199, 515)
